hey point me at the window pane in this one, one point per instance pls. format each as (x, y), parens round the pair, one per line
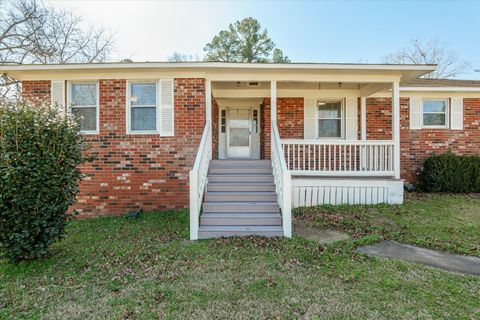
(434, 106)
(87, 117)
(433, 119)
(329, 128)
(144, 118)
(84, 94)
(329, 110)
(143, 94)
(238, 137)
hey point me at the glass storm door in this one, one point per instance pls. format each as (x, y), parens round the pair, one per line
(238, 123)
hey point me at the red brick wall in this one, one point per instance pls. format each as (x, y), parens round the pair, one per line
(215, 126)
(265, 129)
(141, 171)
(290, 121)
(417, 145)
(36, 91)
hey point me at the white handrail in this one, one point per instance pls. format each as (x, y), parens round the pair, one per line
(198, 179)
(282, 177)
(339, 157)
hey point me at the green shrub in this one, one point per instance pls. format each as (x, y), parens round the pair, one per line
(451, 173)
(40, 150)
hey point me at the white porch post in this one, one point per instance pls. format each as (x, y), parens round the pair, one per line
(208, 107)
(363, 132)
(363, 118)
(273, 100)
(396, 127)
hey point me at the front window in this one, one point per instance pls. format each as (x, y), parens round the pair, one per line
(435, 113)
(84, 105)
(329, 119)
(143, 107)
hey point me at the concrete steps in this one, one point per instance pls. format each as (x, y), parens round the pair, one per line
(240, 200)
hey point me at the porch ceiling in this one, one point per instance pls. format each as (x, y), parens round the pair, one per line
(259, 89)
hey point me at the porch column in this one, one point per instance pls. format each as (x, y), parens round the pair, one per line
(363, 131)
(396, 127)
(273, 100)
(208, 110)
(363, 118)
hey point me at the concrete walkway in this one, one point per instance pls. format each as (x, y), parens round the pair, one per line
(446, 261)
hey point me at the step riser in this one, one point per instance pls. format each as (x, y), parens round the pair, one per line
(240, 170)
(239, 197)
(233, 179)
(258, 207)
(209, 234)
(238, 187)
(277, 221)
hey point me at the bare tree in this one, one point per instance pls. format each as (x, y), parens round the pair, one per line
(433, 52)
(180, 57)
(31, 32)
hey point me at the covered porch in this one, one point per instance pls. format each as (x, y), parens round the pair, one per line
(322, 126)
(314, 130)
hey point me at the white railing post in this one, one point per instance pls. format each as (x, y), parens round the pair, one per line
(287, 204)
(282, 178)
(194, 222)
(198, 179)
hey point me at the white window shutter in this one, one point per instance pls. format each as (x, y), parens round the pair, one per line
(415, 113)
(167, 114)
(456, 113)
(57, 93)
(309, 119)
(351, 119)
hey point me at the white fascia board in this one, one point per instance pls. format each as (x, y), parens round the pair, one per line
(219, 65)
(441, 89)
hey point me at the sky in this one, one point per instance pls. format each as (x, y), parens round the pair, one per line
(306, 31)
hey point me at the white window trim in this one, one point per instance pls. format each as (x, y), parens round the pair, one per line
(97, 106)
(447, 114)
(342, 119)
(128, 108)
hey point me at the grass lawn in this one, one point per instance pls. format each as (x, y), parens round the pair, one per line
(114, 268)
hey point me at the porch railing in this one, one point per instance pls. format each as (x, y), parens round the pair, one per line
(339, 158)
(198, 179)
(282, 177)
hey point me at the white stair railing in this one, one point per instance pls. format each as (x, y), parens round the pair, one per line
(282, 177)
(339, 158)
(198, 179)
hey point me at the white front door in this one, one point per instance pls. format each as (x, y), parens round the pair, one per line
(239, 133)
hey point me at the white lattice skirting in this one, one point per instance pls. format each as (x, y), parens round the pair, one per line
(307, 192)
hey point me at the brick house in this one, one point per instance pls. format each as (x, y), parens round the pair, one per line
(247, 142)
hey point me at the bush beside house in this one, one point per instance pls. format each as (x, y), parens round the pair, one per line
(40, 151)
(449, 172)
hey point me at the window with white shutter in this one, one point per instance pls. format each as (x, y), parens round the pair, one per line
(150, 107)
(83, 104)
(167, 114)
(58, 94)
(435, 113)
(330, 117)
(456, 113)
